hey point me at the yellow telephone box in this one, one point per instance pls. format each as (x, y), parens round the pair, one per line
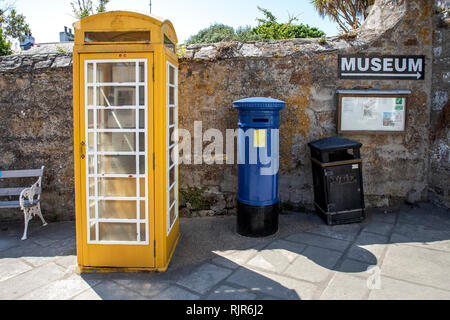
(125, 121)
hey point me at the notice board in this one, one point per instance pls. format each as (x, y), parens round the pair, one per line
(367, 111)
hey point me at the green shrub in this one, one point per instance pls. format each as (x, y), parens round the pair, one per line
(268, 29)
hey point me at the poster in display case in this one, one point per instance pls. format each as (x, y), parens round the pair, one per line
(370, 111)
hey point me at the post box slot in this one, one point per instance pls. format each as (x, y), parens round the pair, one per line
(265, 120)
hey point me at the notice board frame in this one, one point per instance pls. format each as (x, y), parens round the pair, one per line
(369, 94)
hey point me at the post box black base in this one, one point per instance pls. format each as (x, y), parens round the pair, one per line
(257, 221)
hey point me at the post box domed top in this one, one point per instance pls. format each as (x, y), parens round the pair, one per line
(125, 21)
(259, 103)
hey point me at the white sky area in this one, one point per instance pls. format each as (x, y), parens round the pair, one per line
(48, 17)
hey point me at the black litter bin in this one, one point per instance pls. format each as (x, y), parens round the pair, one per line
(337, 176)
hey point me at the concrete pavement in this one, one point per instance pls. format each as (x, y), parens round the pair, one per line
(397, 253)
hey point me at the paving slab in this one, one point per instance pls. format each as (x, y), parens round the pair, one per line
(346, 232)
(176, 293)
(146, 286)
(379, 228)
(274, 285)
(345, 287)
(204, 278)
(233, 259)
(319, 241)
(418, 265)
(64, 289)
(31, 280)
(109, 290)
(12, 267)
(225, 292)
(354, 268)
(368, 247)
(305, 259)
(432, 237)
(393, 289)
(314, 264)
(277, 256)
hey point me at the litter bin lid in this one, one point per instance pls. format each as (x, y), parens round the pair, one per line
(259, 103)
(334, 143)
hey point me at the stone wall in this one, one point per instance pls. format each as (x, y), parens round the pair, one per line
(303, 73)
(36, 127)
(36, 112)
(440, 108)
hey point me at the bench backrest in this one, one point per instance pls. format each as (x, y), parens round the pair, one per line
(4, 192)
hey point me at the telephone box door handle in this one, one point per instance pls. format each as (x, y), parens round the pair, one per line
(82, 146)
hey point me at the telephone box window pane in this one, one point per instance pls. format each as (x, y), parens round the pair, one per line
(90, 73)
(92, 209)
(172, 215)
(116, 142)
(172, 156)
(142, 212)
(91, 187)
(141, 96)
(141, 142)
(91, 142)
(116, 119)
(172, 196)
(171, 75)
(108, 96)
(169, 44)
(93, 231)
(172, 137)
(116, 187)
(142, 187)
(90, 119)
(171, 115)
(171, 95)
(90, 96)
(117, 36)
(141, 72)
(142, 231)
(171, 176)
(117, 232)
(117, 209)
(116, 72)
(141, 164)
(141, 119)
(91, 165)
(116, 164)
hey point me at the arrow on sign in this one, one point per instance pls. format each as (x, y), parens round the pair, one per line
(417, 75)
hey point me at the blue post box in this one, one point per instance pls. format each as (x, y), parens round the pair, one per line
(258, 148)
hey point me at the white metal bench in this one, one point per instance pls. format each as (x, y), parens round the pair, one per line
(29, 197)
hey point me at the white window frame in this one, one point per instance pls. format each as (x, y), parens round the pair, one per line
(138, 221)
(170, 147)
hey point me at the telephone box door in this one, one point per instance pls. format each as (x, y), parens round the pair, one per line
(117, 185)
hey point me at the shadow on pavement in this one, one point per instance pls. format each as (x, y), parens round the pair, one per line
(213, 262)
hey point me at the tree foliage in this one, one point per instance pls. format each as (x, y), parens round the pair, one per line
(12, 25)
(348, 14)
(84, 8)
(5, 46)
(268, 29)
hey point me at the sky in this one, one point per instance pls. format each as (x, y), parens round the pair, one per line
(48, 17)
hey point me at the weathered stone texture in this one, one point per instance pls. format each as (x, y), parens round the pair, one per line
(36, 111)
(303, 73)
(36, 129)
(440, 108)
